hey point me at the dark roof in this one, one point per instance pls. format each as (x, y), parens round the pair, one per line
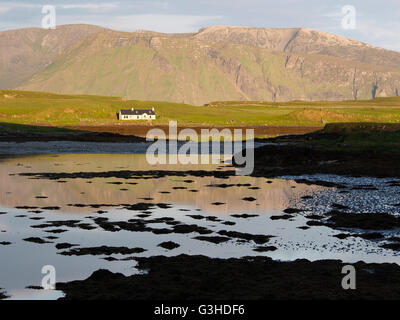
(135, 112)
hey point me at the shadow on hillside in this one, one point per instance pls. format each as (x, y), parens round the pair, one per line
(23, 132)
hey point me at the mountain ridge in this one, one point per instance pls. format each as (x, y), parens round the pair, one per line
(216, 63)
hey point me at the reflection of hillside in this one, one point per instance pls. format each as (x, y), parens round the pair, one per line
(20, 191)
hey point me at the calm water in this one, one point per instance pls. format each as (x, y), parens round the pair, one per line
(21, 261)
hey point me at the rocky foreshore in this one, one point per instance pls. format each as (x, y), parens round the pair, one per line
(198, 277)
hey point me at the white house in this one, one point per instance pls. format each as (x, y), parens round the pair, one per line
(139, 114)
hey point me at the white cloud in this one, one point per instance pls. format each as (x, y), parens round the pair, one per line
(6, 6)
(89, 6)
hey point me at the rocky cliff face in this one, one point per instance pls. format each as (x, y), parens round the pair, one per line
(217, 63)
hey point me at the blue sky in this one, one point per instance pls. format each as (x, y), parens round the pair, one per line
(378, 22)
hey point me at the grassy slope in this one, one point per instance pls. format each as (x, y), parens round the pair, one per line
(24, 107)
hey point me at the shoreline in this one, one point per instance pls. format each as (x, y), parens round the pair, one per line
(363, 150)
(261, 278)
(126, 132)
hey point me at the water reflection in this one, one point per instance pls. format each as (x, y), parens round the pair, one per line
(202, 192)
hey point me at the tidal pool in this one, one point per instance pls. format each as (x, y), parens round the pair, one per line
(42, 196)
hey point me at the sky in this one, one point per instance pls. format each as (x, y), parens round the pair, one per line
(376, 22)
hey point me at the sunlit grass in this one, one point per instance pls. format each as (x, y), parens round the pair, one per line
(38, 108)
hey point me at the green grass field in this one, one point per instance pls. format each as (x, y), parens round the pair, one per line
(37, 108)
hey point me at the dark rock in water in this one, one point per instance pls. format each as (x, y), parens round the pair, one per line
(367, 221)
(196, 217)
(110, 259)
(41, 197)
(314, 217)
(228, 223)
(292, 210)
(103, 250)
(217, 203)
(34, 287)
(65, 245)
(193, 190)
(85, 226)
(56, 231)
(3, 213)
(213, 219)
(51, 238)
(25, 207)
(261, 278)
(370, 235)
(282, 217)
(365, 187)
(265, 249)
(391, 246)
(245, 215)
(213, 239)
(164, 192)
(144, 215)
(221, 185)
(257, 238)
(169, 245)
(250, 199)
(303, 227)
(3, 295)
(185, 228)
(343, 235)
(179, 188)
(5, 243)
(164, 205)
(306, 197)
(339, 206)
(36, 240)
(140, 206)
(51, 208)
(315, 223)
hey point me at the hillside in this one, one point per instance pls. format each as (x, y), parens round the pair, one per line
(25, 52)
(217, 63)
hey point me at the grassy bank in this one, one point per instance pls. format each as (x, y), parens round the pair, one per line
(22, 107)
(373, 137)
